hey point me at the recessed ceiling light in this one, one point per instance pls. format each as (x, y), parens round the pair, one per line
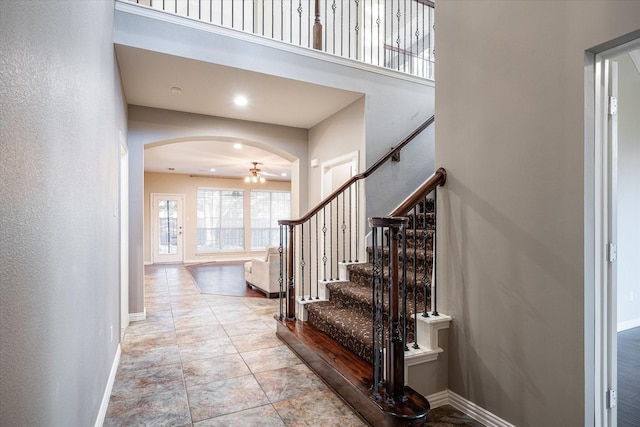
(237, 146)
(283, 174)
(240, 101)
(212, 169)
(176, 90)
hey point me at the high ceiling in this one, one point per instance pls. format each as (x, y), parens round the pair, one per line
(157, 80)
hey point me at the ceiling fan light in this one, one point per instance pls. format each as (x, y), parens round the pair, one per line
(247, 179)
(262, 180)
(254, 179)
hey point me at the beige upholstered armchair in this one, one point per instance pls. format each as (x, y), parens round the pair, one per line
(263, 272)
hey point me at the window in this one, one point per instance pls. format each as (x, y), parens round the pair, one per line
(220, 220)
(267, 207)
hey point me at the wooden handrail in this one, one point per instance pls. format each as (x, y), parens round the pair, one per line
(355, 178)
(437, 179)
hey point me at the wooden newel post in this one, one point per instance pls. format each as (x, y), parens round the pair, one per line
(317, 29)
(395, 344)
(291, 287)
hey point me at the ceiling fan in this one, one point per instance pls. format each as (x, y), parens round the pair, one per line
(255, 174)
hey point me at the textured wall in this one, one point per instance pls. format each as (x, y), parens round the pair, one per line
(59, 290)
(510, 106)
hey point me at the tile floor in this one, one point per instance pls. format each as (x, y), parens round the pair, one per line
(209, 360)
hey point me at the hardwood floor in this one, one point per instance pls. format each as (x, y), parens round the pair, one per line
(629, 378)
(222, 279)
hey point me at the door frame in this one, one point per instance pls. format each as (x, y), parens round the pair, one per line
(153, 235)
(603, 219)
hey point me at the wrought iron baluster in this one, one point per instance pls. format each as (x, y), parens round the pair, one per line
(344, 229)
(317, 255)
(377, 324)
(357, 28)
(434, 301)
(333, 10)
(310, 261)
(324, 242)
(291, 308)
(357, 221)
(326, 25)
(350, 226)
(425, 272)
(273, 29)
(371, 31)
(337, 257)
(415, 277)
(299, 10)
(403, 288)
(380, 49)
(398, 14)
(302, 263)
(349, 33)
(309, 23)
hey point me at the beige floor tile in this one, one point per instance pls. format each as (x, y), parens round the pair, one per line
(263, 416)
(225, 397)
(212, 369)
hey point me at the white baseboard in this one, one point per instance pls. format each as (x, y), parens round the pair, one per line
(136, 317)
(629, 324)
(440, 398)
(447, 397)
(107, 392)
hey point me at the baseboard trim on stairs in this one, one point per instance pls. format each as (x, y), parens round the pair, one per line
(447, 397)
(107, 391)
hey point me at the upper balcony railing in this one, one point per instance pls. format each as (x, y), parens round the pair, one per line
(396, 34)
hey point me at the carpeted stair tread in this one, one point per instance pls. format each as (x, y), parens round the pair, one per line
(352, 295)
(363, 275)
(348, 326)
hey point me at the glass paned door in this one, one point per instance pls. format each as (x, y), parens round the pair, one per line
(167, 227)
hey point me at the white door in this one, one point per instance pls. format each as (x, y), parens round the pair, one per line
(167, 227)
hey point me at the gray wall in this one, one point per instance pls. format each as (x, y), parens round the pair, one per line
(59, 281)
(628, 193)
(511, 113)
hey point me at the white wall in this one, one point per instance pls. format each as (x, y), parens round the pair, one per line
(510, 108)
(628, 194)
(61, 110)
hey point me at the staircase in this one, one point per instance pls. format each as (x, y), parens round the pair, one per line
(363, 325)
(347, 314)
